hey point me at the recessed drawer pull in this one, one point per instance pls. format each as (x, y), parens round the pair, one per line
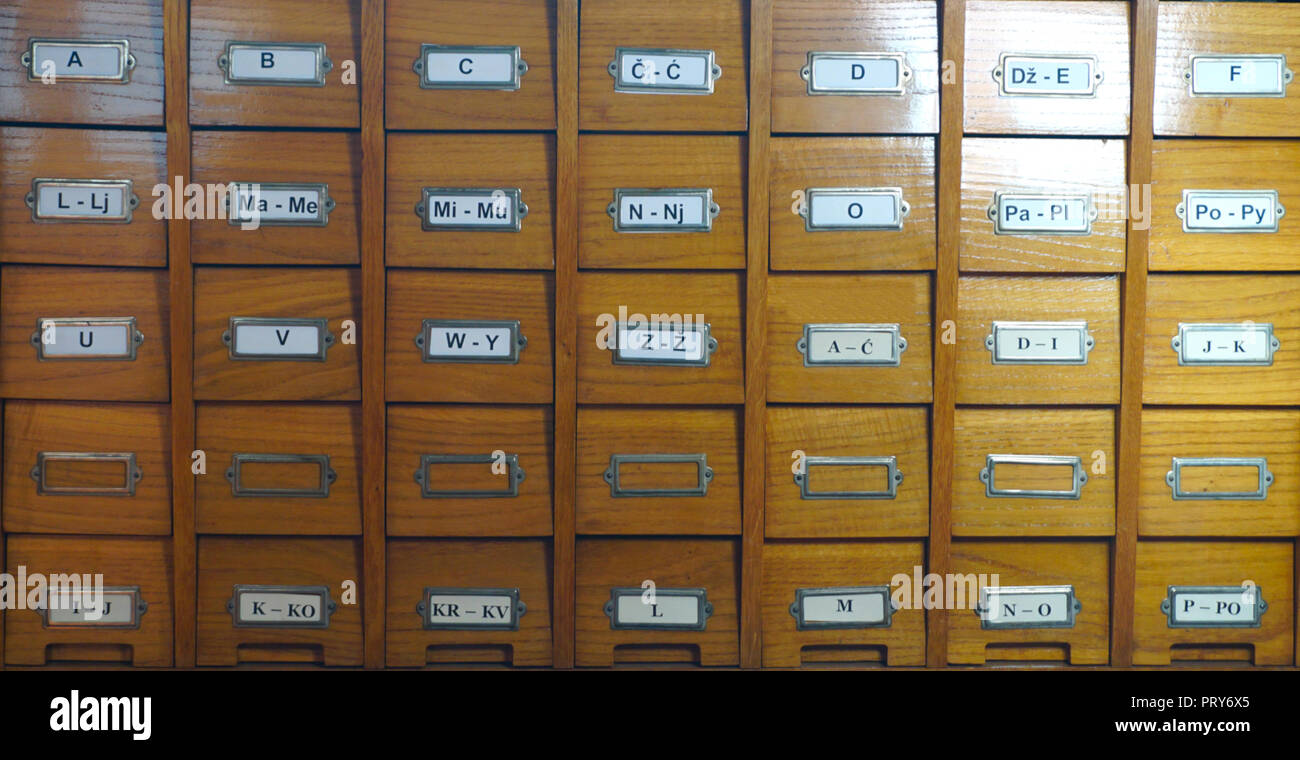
(278, 339)
(1214, 606)
(116, 607)
(893, 476)
(1174, 478)
(660, 609)
(1017, 607)
(664, 71)
(260, 606)
(284, 64)
(988, 476)
(514, 476)
(104, 61)
(470, 609)
(131, 473)
(469, 67)
(60, 338)
(819, 609)
(704, 474)
(234, 474)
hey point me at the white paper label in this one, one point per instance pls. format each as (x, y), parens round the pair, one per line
(1042, 75)
(287, 340)
(1229, 211)
(464, 342)
(850, 74)
(1043, 214)
(86, 341)
(1047, 342)
(468, 67)
(1229, 607)
(1226, 344)
(851, 346)
(285, 607)
(1259, 76)
(666, 610)
(489, 611)
(849, 209)
(109, 608)
(667, 71)
(72, 200)
(78, 61)
(861, 608)
(486, 210)
(1014, 608)
(279, 204)
(663, 213)
(663, 343)
(271, 62)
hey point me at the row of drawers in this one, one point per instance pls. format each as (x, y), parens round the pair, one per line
(702, 51)
(456, 601)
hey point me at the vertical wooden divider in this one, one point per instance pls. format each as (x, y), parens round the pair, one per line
(1133, 318)
(942, 420)
(176, 55)
(564, 521)
(373, 410)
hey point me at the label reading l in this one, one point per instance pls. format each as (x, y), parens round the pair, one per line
(1039, 342)
(1214, 606)
(72, 60)
(662, 71)
(1230, 211)
(82, 200)
(658, 609)
(845, 208)
(1042, 213)
(1027, 607)
(1238, 76)
(1054, 75)
(842, 608)
(856, 73)
(280, 606)
(1225, 344)
(279, 204)
(301, 64)
(469, 67)
(471, 609)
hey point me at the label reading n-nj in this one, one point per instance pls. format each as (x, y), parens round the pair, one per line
(1230, 211)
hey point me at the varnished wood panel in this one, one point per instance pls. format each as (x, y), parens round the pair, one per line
(141, 429)
(801, 163)
(330, 294)
(1088, 434)
(414, 565)
(847, 431)
(861, 26)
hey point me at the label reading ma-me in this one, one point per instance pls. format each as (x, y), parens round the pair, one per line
(1054, 75)
(1214, 606)
(279, 204)
(86, 338)
(82, 200)
(1039, 342)
(842, 608)
(72, 60)
(301, 64)
(664, 72)
(255, 606)
(469, 67)
(487, 209)
(1238, 76)
(1027, 607)
(1042, 213)
(1230, 211)
(471, 609)
(656, 609)
(1225, 344)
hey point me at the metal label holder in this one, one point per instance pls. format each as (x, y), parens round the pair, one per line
(999, 228)
(1086, 341)
(323, 64)
(1174, 479)
(1168, 606)
(324, 338)
(137, 605)
(237, 190)
(1189, 198)
(322, 593)
(988, 476)
(708, 345)
(712, 72)
(126, 61)
(510, 197)
(514, 476)
(808, 73)
(704, 474)
(1264, 331)
(702, 194)
(517, 340)
(893, 477)
(131, 473)
(704, 612)
(798, 608)
(811, 194)
(990, 623)
(518, 67)
(1280, 58)
(134, 337)
(1094, 81)
(129, 200)
(893, 333)
(424, 609)
(321, 491)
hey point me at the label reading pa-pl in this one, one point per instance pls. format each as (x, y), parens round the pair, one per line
(1027, 607)
(280, 607)
(1051, 75)
(1214, 606)
(1238, 76)
(1042, 214)
(1230, 211)
(279, 204)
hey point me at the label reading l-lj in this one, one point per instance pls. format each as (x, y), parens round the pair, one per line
(81, 200)
(1039, 342)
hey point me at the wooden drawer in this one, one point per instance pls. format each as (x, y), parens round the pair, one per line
(1254, 172)
(279, 468)
(1229, 301)
(474, 162)
(849, 633)
(896, 168)
(303, 96)
(478, 93)
(1082, 565)
(658, 304)
(507, 491)
(1223, 30)
(459, 370)
(67, 308)
(114, 156)
(132, 569)
(299, 160)
(1034, 472)
(319, 565)
(815, 490)
(1049, 31)
(677, 471)
(1041, 191)
(611, 164)
(1226, 564)
(841, 313)
(125, 489)
(486, 574)
(1185, 492)
(672, 565)
(306, 309)
(671, 26)
(73, 97)
(893, 27)
(1023, 376)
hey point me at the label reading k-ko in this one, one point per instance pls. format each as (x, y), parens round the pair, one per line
(281, 606)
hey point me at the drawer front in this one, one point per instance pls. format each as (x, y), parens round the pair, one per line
(69, 310)
(87, 468)
(295, 343)
(89, 84)
(844, 471)
(476, 165)
(849, 338)
(1217, 34)
(475, 89)
(300, 162)
(465, 322)
(1027, 205)
(668, 28)
(1016, 313)
(1193, 566)
(1082, 565)
(812, 171)
(1235, 353)
(469, 470)
(665, 229)
(125, 166)
(657, 470)
(132, 571)
(711, 565)
(1025, 43)
(1219, 472)
(467, 589)
(272, 631)
(277, 469)
(1034, 472)
(1197, 226)
(852, 629)
(846, 101)
(308, 93)
(655, 308)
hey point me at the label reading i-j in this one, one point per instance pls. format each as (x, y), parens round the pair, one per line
(112, 608)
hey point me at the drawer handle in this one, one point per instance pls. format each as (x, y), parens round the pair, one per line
(704, 474)
(103, 201)
(470, 609)
(1174, 478)
(988, 476)
(658, 609)
(237, 488)
(1214, 606)
(661, 70)
(893, 476)
(819, 609)
(64, 338)
(237, 55)
(122, 608)
(41, 49)
(261, 606)
(1225, 344)
(825, 73)
(131, 473)
(275, 339)
(465, 66)
(514, 476)
(1017, 607)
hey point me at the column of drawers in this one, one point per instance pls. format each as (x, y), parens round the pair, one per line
(84, 349)
(470, 255)
(1220, 448)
